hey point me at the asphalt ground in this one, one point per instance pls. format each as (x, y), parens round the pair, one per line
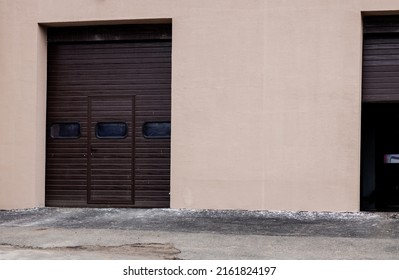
(89, 233)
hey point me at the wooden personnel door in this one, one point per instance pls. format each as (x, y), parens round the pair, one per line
(111, 153)
(109, 116)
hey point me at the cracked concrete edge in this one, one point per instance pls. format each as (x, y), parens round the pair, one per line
(165, 251)
(94, 247)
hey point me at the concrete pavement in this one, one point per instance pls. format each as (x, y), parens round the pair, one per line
(76, 233)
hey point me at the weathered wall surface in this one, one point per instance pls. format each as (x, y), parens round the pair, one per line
(265, 98)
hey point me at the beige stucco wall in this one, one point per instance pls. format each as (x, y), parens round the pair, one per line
(265, 98)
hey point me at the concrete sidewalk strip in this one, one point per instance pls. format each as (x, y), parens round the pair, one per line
(76, 233)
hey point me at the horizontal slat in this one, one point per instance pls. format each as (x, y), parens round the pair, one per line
(73, 76)
(103, 176)
(156, 172)
(109, 199)
(64, 154)
(381, 41)
(152, 182)
(111, 164)
(386, 91)
(108, 82)
(152, 176)
(62, 185)
(83, 88)
(58, 70)
(378, 57)
(161, 145)
(105, 63)
(380, 85)
(82, 110)
(382, 51)
(381, 63)
(376, 75)
(381, 98)
(66, 192)
(142, 161)
(115, 183)
(120, 191)
(66, 166)
(137, 53)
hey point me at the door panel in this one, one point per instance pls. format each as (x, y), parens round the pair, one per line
(111, 147)
(66, 157)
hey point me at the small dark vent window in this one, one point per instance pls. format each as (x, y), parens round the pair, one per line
(156, 130)
(111, 130)
(65, 130)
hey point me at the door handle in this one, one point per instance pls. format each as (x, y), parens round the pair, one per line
(92, 150)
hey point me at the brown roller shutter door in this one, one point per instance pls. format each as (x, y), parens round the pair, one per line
(381, 59)
(108, 85)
